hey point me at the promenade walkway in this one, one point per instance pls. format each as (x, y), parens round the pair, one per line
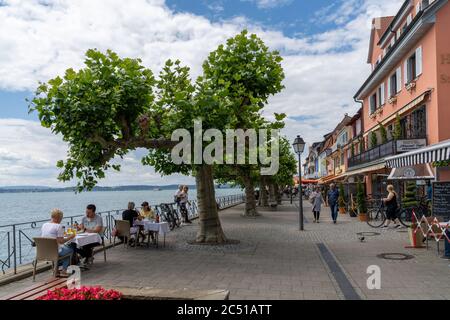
(276, 261)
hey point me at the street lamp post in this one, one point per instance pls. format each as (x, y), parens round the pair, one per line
(299, 146)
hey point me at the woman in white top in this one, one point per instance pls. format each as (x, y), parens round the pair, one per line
(184, 199)
(54, 229)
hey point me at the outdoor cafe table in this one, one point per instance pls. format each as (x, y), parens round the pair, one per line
(82, 239)
(156, 227)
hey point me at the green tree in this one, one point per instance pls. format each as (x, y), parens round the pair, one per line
(360, 198)
(341, 198)
(383, 132)
(410, 200)
(362, 146)
(238, 78)
(373, 139)
(397, 134)
(352, 150)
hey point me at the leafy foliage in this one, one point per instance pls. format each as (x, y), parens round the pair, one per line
(360, 198)
(373, 139)
(341, 198)
(409, 200)
(383, 132)
(397, 134)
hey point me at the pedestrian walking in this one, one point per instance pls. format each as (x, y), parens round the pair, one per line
(184, 200)
(316, 201)
(332, 200)
(391, 207)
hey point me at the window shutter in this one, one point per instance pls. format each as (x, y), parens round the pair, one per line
(405, 68)
(382, 95)
(371, 106)
(399, 79)
(389, 88)
(419, 61)
(409, 19)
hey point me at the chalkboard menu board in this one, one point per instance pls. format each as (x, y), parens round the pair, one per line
(441, 198)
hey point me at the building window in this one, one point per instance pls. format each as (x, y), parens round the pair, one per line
(342, 159)
(380, 93)
(373, 103)
(411, 68)
(392, 86)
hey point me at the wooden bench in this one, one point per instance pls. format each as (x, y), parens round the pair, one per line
(38, 290)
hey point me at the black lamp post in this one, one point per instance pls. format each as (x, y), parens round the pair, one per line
(299, 146)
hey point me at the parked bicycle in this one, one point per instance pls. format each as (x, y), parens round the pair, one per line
(377, 216)
(170, 215)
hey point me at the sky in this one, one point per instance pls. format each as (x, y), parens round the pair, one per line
(324, 44)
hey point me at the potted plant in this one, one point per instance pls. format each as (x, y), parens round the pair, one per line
(341, 199)
(361, 202)
(409, 202)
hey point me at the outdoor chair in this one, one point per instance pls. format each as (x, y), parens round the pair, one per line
(102, 234)
(47, 250)
(123, 230)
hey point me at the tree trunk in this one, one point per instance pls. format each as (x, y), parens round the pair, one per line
(263, 193)
(250, 200)
(210, 230)
(272, 195)
(277, 193)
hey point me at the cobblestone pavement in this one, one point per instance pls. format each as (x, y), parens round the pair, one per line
(274, 260)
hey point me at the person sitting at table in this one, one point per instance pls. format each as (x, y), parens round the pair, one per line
(91, 223)
(54, 229)
(148, 213)
(131, 215)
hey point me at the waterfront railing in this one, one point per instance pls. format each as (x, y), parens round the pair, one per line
(16, 240)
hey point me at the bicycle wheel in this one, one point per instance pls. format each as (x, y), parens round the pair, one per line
(177, 219)
(376, 218)
(406, 216)
(171, 221)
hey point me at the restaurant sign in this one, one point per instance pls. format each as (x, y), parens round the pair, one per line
(410, 144)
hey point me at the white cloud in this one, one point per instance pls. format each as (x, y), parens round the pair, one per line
(38, 42)
(29, 152)
(267, 4)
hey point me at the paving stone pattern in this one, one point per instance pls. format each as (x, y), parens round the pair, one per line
(274, 260)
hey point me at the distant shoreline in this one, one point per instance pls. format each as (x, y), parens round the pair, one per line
(97, 189)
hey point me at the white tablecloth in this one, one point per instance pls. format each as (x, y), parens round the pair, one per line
(161, 227)
(83, 239)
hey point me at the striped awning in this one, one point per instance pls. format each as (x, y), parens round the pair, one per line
(437, 152)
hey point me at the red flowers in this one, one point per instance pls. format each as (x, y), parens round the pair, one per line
(84, 293)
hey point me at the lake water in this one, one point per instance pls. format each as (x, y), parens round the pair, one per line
(24, 207)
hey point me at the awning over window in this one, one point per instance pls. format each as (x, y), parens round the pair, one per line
(416, 172)
(364, 170)
(437, 152)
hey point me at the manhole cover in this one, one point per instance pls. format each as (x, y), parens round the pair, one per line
(368, 234)
(395, 256)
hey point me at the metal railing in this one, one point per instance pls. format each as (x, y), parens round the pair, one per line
(378, 152)
(16, 240)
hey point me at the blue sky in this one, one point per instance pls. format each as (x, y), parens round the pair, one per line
(294, 18)
(324, 45)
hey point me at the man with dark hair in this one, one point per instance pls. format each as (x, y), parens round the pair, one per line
(332, 200)
(91, 223)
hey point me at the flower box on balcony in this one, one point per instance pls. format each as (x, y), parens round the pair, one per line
(411, 85)
(392, 100)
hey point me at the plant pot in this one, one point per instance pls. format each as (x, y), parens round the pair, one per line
(415, 238)
(342, 210)
(362, 217)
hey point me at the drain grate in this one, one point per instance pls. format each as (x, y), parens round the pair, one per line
(395, 256)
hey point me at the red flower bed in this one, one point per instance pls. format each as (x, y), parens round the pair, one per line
(83, 293)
